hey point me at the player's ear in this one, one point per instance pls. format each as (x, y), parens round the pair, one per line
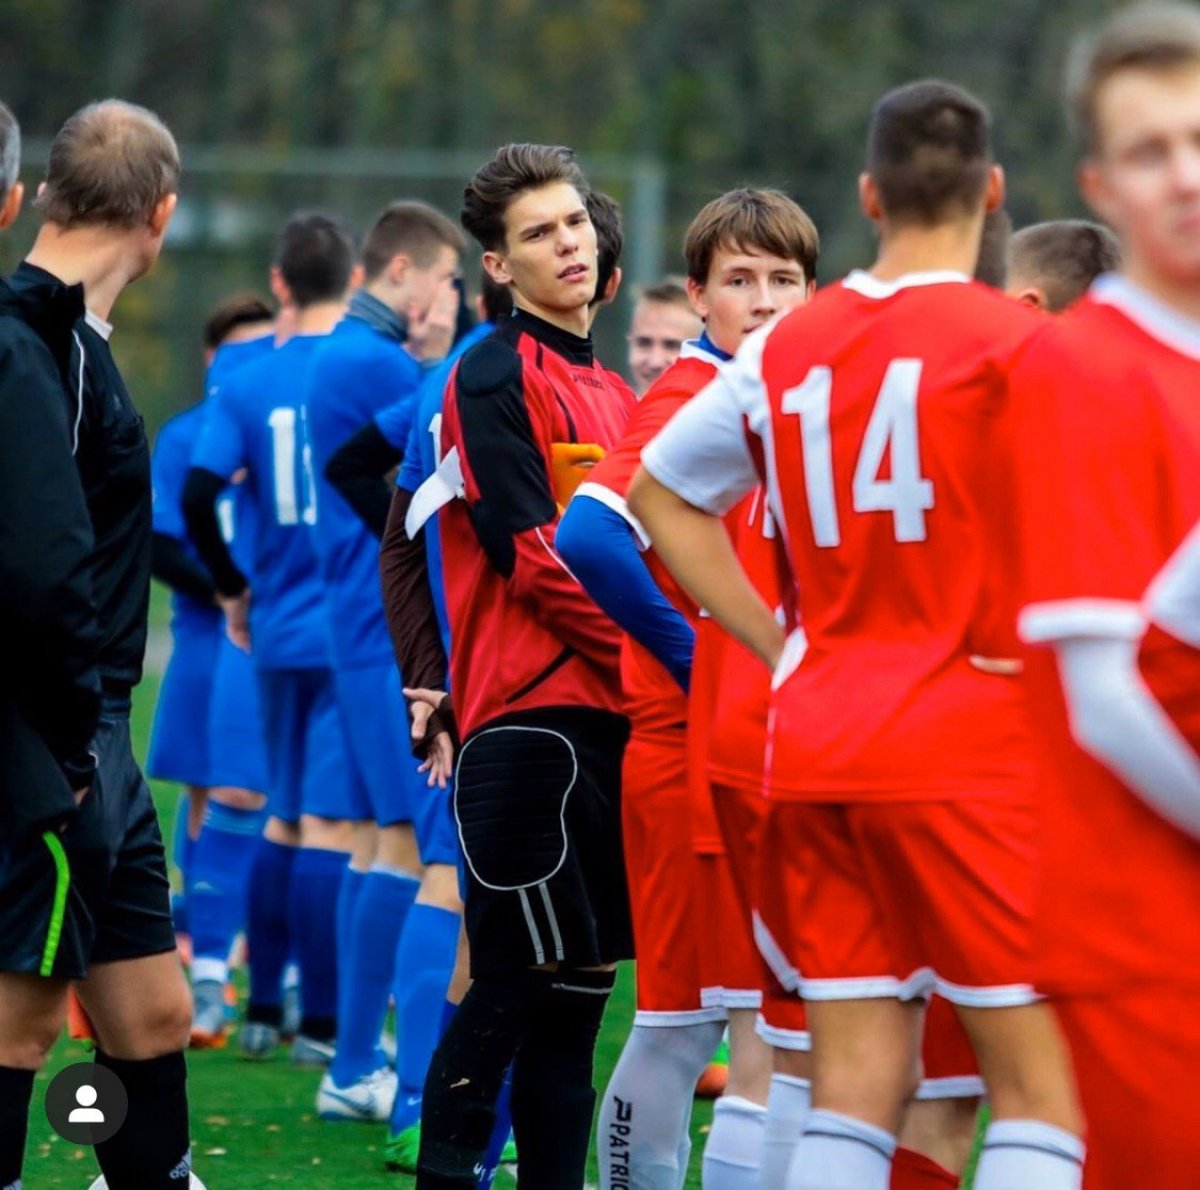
(497, 268)
(810, 287)
(1094, 188)
(696, 296)
(161, 215)
(357, 274)
(12, 204)
(994, 193)
(280, 290)
(1030, 295)
(614, 284)
(868, 197)
(397, 267)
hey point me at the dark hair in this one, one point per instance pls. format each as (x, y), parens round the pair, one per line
(748, 219)
(605, 214)
(1062, 258)
(239, 309)
(497, 299)
(928, 151)
(315, 256)
(10, 151)
(513, 170)
(111, 164)
(670, 291)
(412, 228)
(1156, 37)
(991, 265)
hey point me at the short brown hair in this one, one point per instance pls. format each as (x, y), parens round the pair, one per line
(111, 164)
(413, 228)
(748, 219)
(1062, 258)
(605, 213)
(315, 257)
(929, 152)
(670, 291)
(513, 170)
(1156, 37)
(239, 309)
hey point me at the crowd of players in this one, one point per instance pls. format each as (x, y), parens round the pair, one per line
(908, 811)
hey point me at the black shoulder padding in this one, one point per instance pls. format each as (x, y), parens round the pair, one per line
(490, 365)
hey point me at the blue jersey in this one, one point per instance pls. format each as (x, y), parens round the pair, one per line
(422, 452)
(257, 423)
(168, 470)
(356, 372)
(234, 511)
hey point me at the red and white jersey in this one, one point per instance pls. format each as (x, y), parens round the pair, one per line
(880, 407)
(653, 699)
(1108, 417)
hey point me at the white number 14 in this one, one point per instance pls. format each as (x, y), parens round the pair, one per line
(907, 495)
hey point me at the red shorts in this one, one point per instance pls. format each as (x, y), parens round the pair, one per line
(662, 873)
(731, 971)
(1136, 1056)
(740, 816)
(899, 899)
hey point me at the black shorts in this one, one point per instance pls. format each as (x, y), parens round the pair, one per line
(98, 891)
(538, 805)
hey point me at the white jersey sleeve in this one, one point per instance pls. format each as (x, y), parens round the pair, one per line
(1173, 601)
(702, 453)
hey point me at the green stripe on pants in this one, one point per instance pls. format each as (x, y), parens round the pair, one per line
(62, 882)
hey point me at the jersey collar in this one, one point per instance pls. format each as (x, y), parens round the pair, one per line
(1157, 319)
(704, 348)
(573, 348)
(862, 282)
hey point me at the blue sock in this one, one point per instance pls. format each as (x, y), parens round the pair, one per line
(316, 878)
(268, 932)
(219, 875)
(368, 962)
(348, 893)
(424, 964)
(181, 854)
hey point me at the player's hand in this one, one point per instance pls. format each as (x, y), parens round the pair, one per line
(237, 619)
(438, 746)
(431, 331)
(439, 761)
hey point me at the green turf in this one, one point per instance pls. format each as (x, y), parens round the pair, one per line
(253, 1124)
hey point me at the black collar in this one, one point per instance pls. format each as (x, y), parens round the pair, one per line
(571, 347)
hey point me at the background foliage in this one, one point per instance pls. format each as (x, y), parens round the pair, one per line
(720, 93)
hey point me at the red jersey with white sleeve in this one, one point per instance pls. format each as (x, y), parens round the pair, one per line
(879, 406)
(1106, 410)
(524, 633)
(654, 701)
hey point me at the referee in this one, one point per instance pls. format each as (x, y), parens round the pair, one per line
(88, 900)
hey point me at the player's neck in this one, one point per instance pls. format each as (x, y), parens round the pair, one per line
(1181, 297)
(951, 247)
(319, 318)
(574, 322)
(96, 257)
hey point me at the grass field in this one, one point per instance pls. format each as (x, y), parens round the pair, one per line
(253, 1124)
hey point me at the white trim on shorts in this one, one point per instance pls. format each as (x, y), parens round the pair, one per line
(731, 998)
(773, 955)
(796, 1040)
(918, 986)
(669, 1020)
(1012, 995)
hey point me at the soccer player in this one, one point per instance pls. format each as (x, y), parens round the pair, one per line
(1051, 265)
(751, 255)
(402, 316)
(899, 846)
(533, 664)
(91, 899)
(178, 752)
(256, 425)
(663, 320)
(1109, 489)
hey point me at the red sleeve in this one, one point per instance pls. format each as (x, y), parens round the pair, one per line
(1087, 493)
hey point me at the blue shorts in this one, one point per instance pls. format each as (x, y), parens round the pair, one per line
(307, 770)
(376, 726)
(178, 752)
(237, 754)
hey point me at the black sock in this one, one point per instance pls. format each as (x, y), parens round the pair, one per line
(264, 1014)
(458, 1110)
(152, 1151)
(16, 1090)
(319, 1028)
(552, 1093)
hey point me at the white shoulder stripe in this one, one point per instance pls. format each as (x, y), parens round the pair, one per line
(1041, 623)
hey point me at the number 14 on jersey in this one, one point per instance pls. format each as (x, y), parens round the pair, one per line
(892, 427)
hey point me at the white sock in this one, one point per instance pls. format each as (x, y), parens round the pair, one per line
(788, 1106)
(838, 1152)
(644, 1115)
(206, 970)
(733, 1153)
(683, 1156)
(1021, 1153)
